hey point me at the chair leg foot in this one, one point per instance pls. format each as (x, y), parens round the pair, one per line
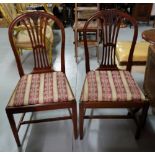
(142, 121)
(81, 121)
(74, 119)
(13, 127)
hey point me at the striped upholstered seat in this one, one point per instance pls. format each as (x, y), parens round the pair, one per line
(110, 86)
(42, 88)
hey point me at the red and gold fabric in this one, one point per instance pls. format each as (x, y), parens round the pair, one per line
(110, 86)
(42, 88)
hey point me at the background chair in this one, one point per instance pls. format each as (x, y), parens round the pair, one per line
(82, 13)
(43, 88)
(21, 37)
(107, 86)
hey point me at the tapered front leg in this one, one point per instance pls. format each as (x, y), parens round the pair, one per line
(13, 127)
(81, 120)
(74, 118)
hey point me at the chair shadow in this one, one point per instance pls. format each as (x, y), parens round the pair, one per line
(118, 136)
(50, 137)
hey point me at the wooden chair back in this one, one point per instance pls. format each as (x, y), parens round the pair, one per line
(109, 21)
(83, 13)
(36, 25)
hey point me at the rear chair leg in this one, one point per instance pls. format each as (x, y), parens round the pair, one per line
(13, 127)
(74, 119)
(81, 121)
(142, 120)
(145, 109)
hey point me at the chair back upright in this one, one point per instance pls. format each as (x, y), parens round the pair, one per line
(35, 23)
(110, 21)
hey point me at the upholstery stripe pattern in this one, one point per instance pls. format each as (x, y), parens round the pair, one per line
(42, 88)
(110, 86)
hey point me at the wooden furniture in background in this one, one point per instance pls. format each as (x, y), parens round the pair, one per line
(149, 80)
(21, 37)
(3, 22)
(43, 88)
(142, 11)
(149, 36)
(9, 11)
(22, 7)
(82, 13)
(107, 86)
